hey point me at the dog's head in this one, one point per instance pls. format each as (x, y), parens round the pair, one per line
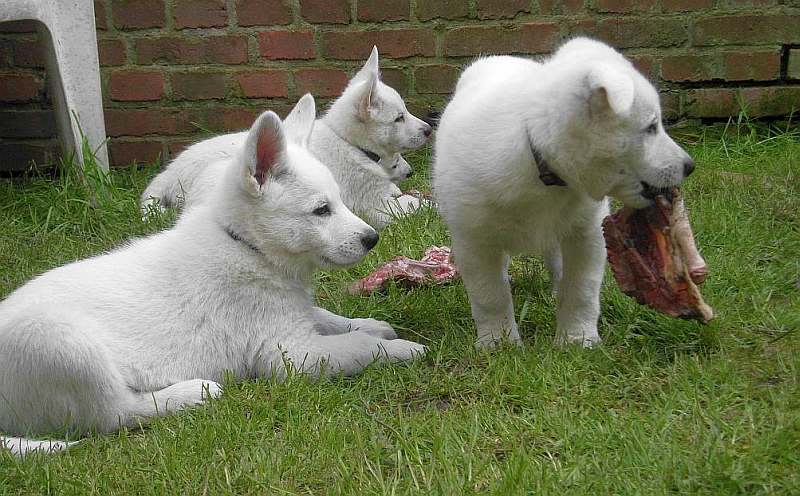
(396, 167)
(289, 204)
(385, 126)
(619, 128)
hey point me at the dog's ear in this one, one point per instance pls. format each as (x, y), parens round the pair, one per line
(366, 96)
(371, 67)
(300, 121)
(610, 90)
(264, 150)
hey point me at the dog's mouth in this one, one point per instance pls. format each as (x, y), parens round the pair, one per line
(651, 192)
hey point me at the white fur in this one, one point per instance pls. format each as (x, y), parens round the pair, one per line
(369, 115)
(151, 327)
(587, 110)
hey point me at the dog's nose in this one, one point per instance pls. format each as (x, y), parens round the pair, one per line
(688, 167)
(410, 173)
(369, 240)
(427, 130)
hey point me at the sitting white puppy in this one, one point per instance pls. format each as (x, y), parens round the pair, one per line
(151, 327)
(367, 125)
(525, 156)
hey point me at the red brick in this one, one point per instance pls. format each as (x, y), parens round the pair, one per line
(125, 153)
(497, 9)
(686, 5)
(445, 9)
(322, 82)
(100, 17)
(263, 12)
(325, 11)
(627, 32)
(436, 78)
(747, 29)
(670, 105)
(550, 7)
(192, 50)
(199, 85)
(752, 65)
(27, 124)
(263, 84)
(283, 45)
(793, 69)
(138, 14)
(689, 68)
(200, 13)
(381, 10)
(19, 156)
(393, 43)
(758, 102)
(28, 53)
(224, 119)
(625, 6)
(395, 78)
(143, 122)
(111, 52)
(129, 86)
(6, 53)
(740, 4)
(20, 87)
(475, 40)
(644, 64)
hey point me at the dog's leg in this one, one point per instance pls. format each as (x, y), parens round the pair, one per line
(328, 323)
(554, 263)
(350, 353)
(485, 274)
(579, 289)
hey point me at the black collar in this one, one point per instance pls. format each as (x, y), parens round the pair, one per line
(547, 176)
(370, 155)
(236, 237)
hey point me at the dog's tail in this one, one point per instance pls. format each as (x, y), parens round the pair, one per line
(21, 446)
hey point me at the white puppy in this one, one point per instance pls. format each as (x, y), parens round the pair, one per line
(525, 156)
(367, 125)
(151, 327)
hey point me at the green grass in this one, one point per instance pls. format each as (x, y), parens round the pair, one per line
(663, 406)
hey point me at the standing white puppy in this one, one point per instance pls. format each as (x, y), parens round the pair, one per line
(359, 139)
(151, 327)
(525, 156)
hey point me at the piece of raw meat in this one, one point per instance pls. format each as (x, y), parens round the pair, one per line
(654, 258)
(435, 267)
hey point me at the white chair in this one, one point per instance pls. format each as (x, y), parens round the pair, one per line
(67, 27)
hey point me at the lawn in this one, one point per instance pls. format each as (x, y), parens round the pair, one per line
(663, 406)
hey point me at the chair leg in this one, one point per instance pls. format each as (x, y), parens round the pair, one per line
(74, 71)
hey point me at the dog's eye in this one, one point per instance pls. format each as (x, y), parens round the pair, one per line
(400, 118)
(323, 210)
(652, 128)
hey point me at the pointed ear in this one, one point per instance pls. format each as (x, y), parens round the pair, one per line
(264, 149)
(366, 96)
(611, 89)
(300, 121)
(371, 67)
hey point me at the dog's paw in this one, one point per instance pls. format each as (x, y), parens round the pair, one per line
(192, 392)
(399, 350)
(490, 341)
(584, 341)
(374, 327)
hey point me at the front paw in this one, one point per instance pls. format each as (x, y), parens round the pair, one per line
(564, 340)
(400, 350)
(374, 327)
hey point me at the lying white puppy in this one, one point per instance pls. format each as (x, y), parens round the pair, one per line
(525, 156)
(367, 124)
(150, 327)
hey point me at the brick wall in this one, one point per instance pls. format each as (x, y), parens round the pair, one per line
(175, 69)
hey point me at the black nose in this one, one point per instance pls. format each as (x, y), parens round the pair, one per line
(410, 173)
(688, 167)
(427, 130)
(369, 240)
